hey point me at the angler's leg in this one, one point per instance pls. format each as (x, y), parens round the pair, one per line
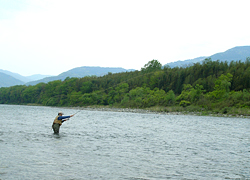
(56, 128)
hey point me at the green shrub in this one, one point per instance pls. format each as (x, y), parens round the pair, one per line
(184, 103)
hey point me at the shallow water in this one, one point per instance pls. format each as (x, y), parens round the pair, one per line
(118, 145)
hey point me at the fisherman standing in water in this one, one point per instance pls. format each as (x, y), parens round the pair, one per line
(58, 122)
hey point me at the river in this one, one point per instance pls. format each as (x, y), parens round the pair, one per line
(121, 145)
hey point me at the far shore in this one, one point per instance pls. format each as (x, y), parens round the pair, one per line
(156, 111)
(152, 110)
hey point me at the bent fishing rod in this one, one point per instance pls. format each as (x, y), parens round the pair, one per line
(69, 118)
(77, 112)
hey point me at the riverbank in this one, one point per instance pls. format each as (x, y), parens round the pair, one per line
(170, 110)
(160, 110)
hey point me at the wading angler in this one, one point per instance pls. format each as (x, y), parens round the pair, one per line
(58, 121)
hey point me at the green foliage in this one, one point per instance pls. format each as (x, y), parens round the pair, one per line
(211, 85)
(143, 97)
(86, 87)
(191, 94)
(74, 98)
(170, 98)
(156, 79)
(153, 65)
(222, 86)
(121, 90)
(184, 103)
(185, 94)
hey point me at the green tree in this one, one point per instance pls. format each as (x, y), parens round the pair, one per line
(196, 93)
(191, 94)
(170, 98)
(74, 98)
(120, 92)
(151, 66)
(222, 86)
(137, 96)
(86, 87)
(156, 80)
(185, 94)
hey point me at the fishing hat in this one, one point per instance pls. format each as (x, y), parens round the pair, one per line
(60, 113)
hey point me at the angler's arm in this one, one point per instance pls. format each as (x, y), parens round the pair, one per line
(64, 120)
(63, 117)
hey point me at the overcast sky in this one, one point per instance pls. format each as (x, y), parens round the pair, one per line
(52, 36)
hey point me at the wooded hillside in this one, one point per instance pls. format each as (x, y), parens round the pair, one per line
(208, 85)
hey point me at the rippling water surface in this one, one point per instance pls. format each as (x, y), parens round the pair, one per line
(116, 145)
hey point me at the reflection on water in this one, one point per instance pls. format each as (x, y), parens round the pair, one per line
(115, 145)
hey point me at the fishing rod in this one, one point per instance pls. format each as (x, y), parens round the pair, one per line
(69, 118)
(77, 112)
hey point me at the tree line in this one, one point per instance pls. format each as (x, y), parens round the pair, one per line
(208, 85)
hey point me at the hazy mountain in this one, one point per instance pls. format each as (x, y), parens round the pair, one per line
(16, 76)
(7, 80)
(36, 77)
(81, 72)
(236, 53)
(233, 54)
(184, 63)
(10, 79)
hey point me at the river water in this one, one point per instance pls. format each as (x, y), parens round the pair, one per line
(121, 145)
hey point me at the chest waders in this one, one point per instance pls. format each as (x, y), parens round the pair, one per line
(56, 125)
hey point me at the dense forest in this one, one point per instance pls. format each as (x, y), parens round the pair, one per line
(219, 87)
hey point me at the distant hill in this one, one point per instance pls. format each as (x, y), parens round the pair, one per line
(36, 77)
(184, 63)
(81, 72)
(7, 80)
(233, 54)
(16, 76)
(10, 79)
(236, 53)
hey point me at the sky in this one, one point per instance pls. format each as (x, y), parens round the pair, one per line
(53, 36)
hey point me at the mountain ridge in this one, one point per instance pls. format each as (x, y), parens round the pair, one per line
(233, 54)
(81, 72)
(15, 75)
(7, 80)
